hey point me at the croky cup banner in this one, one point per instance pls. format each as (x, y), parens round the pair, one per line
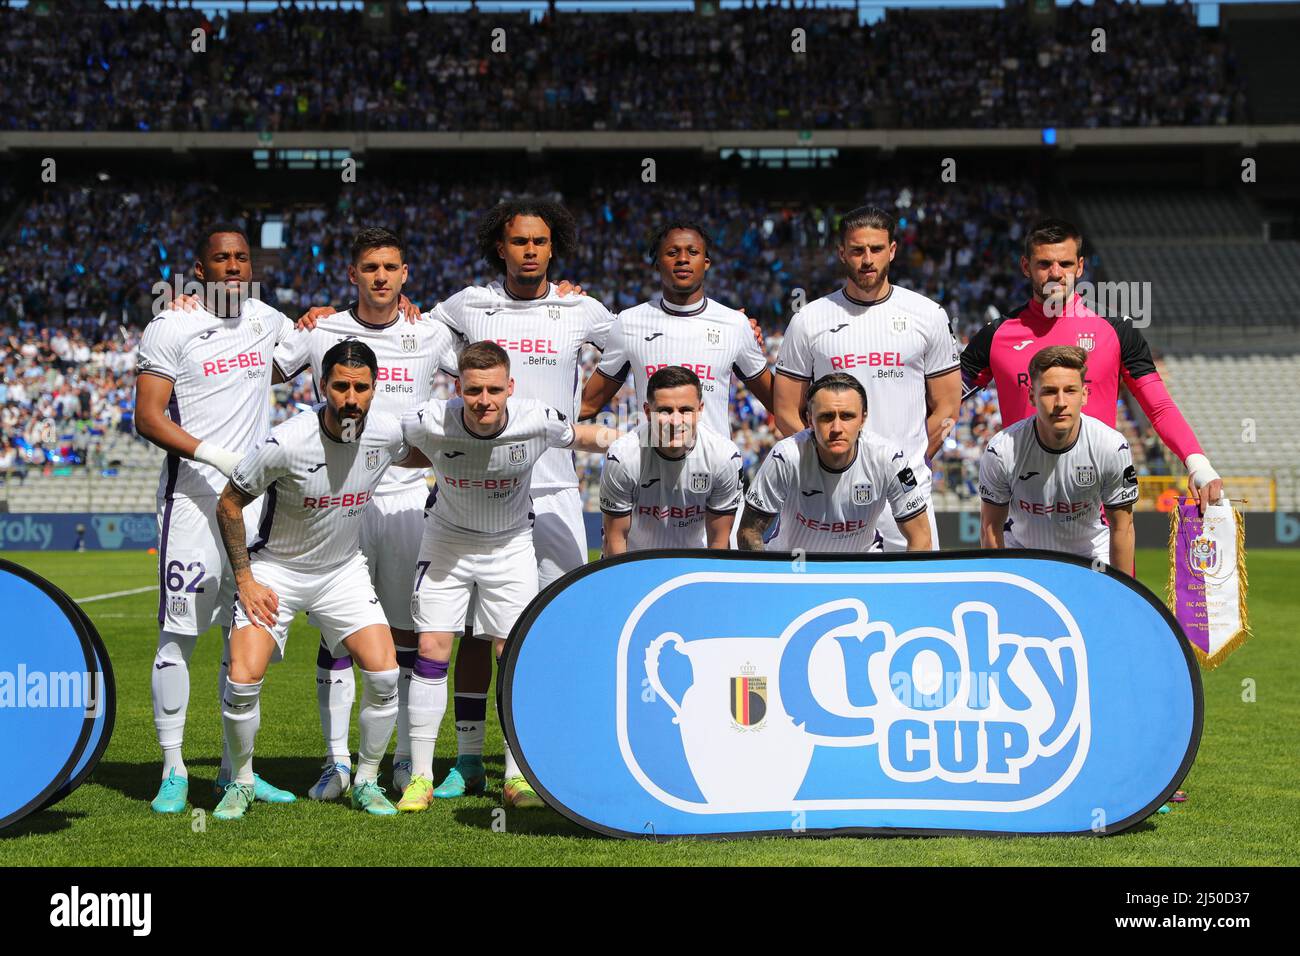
(1207, 578)
(701, 693)
(56, 694)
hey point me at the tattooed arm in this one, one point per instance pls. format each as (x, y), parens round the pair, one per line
(261, 604)
(753, 525)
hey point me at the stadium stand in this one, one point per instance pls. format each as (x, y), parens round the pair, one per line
(134, 70)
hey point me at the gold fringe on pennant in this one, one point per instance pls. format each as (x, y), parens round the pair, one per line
(1210, 661)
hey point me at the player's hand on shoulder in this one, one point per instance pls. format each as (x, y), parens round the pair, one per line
(565, 287)
(185, 302)
(756, 329)
(410, 311)
(307, 321)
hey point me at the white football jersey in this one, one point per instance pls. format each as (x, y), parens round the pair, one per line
(820, 510)
(317, 487)
(544, 338)
(708, 338)
(667, 498)
(409, 355)
(891, 347)
(484, 481)
(1055, 498)
(220, 370)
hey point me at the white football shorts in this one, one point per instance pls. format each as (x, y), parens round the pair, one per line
(339, 602)
(502, 577)
(195, 587)
(559, 534)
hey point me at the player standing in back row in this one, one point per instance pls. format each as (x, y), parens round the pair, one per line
(681, 326)
(202, 395)
(897, 343)
(410, 355)
(543, 333)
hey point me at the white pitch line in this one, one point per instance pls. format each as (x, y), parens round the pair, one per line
(114, 594)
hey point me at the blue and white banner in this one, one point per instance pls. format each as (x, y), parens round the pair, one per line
(57, 699)
(698, 693)
(111, 531)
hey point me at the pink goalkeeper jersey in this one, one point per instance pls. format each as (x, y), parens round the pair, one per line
(1001, 352)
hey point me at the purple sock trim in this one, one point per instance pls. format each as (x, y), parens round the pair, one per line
(471, 707)
(406, 656)
(327, 661)
(429, 670)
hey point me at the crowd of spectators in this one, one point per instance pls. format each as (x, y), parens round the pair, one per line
(307, 68)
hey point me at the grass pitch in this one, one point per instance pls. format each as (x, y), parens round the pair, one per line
(1243, 808)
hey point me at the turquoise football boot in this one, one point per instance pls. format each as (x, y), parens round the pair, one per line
(172, 795)
(466, 779)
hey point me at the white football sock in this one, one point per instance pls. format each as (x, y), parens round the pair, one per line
(471, 724)
(512, 769)
(170, 681)
(378, 714)
(405, 661)
(241, 716)
(336, 689)
(426, 706)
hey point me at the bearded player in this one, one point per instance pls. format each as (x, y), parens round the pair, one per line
(409, 356)
(674, 482)
(1045, 480)
(202, 395)
(897, 343)
(319, 471)
(1117, 352)
(543, 332)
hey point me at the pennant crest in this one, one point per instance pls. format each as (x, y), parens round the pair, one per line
(1207, 579)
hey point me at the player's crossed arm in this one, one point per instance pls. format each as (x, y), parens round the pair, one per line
(153, 395)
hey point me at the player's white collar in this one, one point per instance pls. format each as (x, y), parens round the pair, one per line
(844, 289)
(682, 310)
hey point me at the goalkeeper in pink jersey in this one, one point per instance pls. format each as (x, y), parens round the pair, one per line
(1056, 315)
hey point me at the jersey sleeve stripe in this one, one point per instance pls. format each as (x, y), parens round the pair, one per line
(725, 511)
(620, 377)
(996, 504)
(616, 514)
(150, 371)
(950, 368)
(794, 375)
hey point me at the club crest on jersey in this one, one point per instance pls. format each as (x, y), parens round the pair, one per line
(256, 323)
(179, 605)
(714, 336)
(862, 493)
(701, 481)
(553, 313)
(408, 343)
(518, 454)
(1087, 341)
(372, 459)
(1085, 475)
(899, 323)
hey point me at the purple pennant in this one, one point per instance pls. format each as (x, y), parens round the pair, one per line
(1189, 580)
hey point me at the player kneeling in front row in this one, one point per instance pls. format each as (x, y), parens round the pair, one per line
(828, 484)
(674, 482)
(478, 535)
(319, 471)
(1045, 480)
